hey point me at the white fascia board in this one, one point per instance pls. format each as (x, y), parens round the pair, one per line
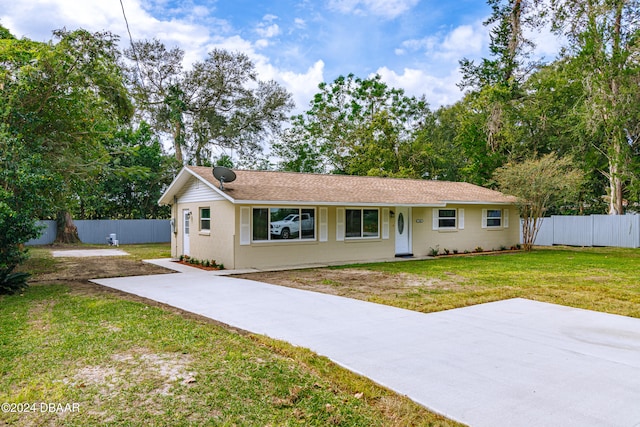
(174, 187)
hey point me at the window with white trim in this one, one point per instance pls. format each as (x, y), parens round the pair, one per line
(277, 224)
(447, 218)
(205, 219)
(493, 218)
(362, 223)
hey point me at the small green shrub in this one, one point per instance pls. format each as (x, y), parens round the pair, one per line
(478, 249)
(434, 251)
(13, 282)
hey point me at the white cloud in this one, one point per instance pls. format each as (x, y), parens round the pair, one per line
(303, 86)
(437, 90)
(33, 19)
(268, 31)
(548, 45)
(463, 41)
(386, 8)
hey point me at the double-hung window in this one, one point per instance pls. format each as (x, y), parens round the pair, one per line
(205, 219)
(447, 218)
(493, 218)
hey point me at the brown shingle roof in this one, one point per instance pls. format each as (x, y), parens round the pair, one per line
(269, 186)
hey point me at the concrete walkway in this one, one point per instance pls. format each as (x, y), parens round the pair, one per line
(509, 363)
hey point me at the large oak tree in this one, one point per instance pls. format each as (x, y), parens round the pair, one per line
(61, 100)
(217, 106)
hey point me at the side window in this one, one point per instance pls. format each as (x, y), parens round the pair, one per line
(446, 218)
(205, 219)
(494, 218)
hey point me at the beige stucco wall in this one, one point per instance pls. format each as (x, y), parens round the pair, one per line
(223, 241)
(217, 244)
(287, 253)
(471, 237)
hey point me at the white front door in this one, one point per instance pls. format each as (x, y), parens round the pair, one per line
(186, 215)
(403, 231)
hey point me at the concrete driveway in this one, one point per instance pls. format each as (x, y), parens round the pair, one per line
(509, 363)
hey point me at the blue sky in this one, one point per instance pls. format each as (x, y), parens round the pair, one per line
(413, 44)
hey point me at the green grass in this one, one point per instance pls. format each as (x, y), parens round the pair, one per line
(126, 363)
(603, 279)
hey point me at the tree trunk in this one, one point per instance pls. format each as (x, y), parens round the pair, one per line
(615, 189)
(67, 231)
(616, 161)
(177, 141)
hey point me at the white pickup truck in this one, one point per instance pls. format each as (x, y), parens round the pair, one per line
(289, 226)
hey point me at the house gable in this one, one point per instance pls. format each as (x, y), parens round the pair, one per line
(197, 191)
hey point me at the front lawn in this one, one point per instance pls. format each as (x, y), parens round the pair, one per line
(602, 279)
(103, 358)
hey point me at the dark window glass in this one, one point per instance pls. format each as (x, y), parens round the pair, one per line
(260, 224)
(494, 218)
(447, 218)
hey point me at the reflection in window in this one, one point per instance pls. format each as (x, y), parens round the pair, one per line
(283, 224)
(361, 223)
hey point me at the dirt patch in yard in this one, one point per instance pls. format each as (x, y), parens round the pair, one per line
(352, 282)
(76, 273)
(79, 269)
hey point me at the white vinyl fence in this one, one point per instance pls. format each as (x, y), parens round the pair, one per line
(128, 231)
(594, 230)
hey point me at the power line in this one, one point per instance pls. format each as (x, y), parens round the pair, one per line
(133, 47)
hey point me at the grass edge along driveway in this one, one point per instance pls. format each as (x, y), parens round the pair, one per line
(601, 279)
(124, 362)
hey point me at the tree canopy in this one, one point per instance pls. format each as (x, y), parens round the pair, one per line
(357, 126)
(538, 183)
(217, 107)
(61, 101)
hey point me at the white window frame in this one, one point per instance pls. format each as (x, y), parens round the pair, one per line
(201, 218)
(362, 236)
(459, 219)
(269, 239)
(504, 219)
